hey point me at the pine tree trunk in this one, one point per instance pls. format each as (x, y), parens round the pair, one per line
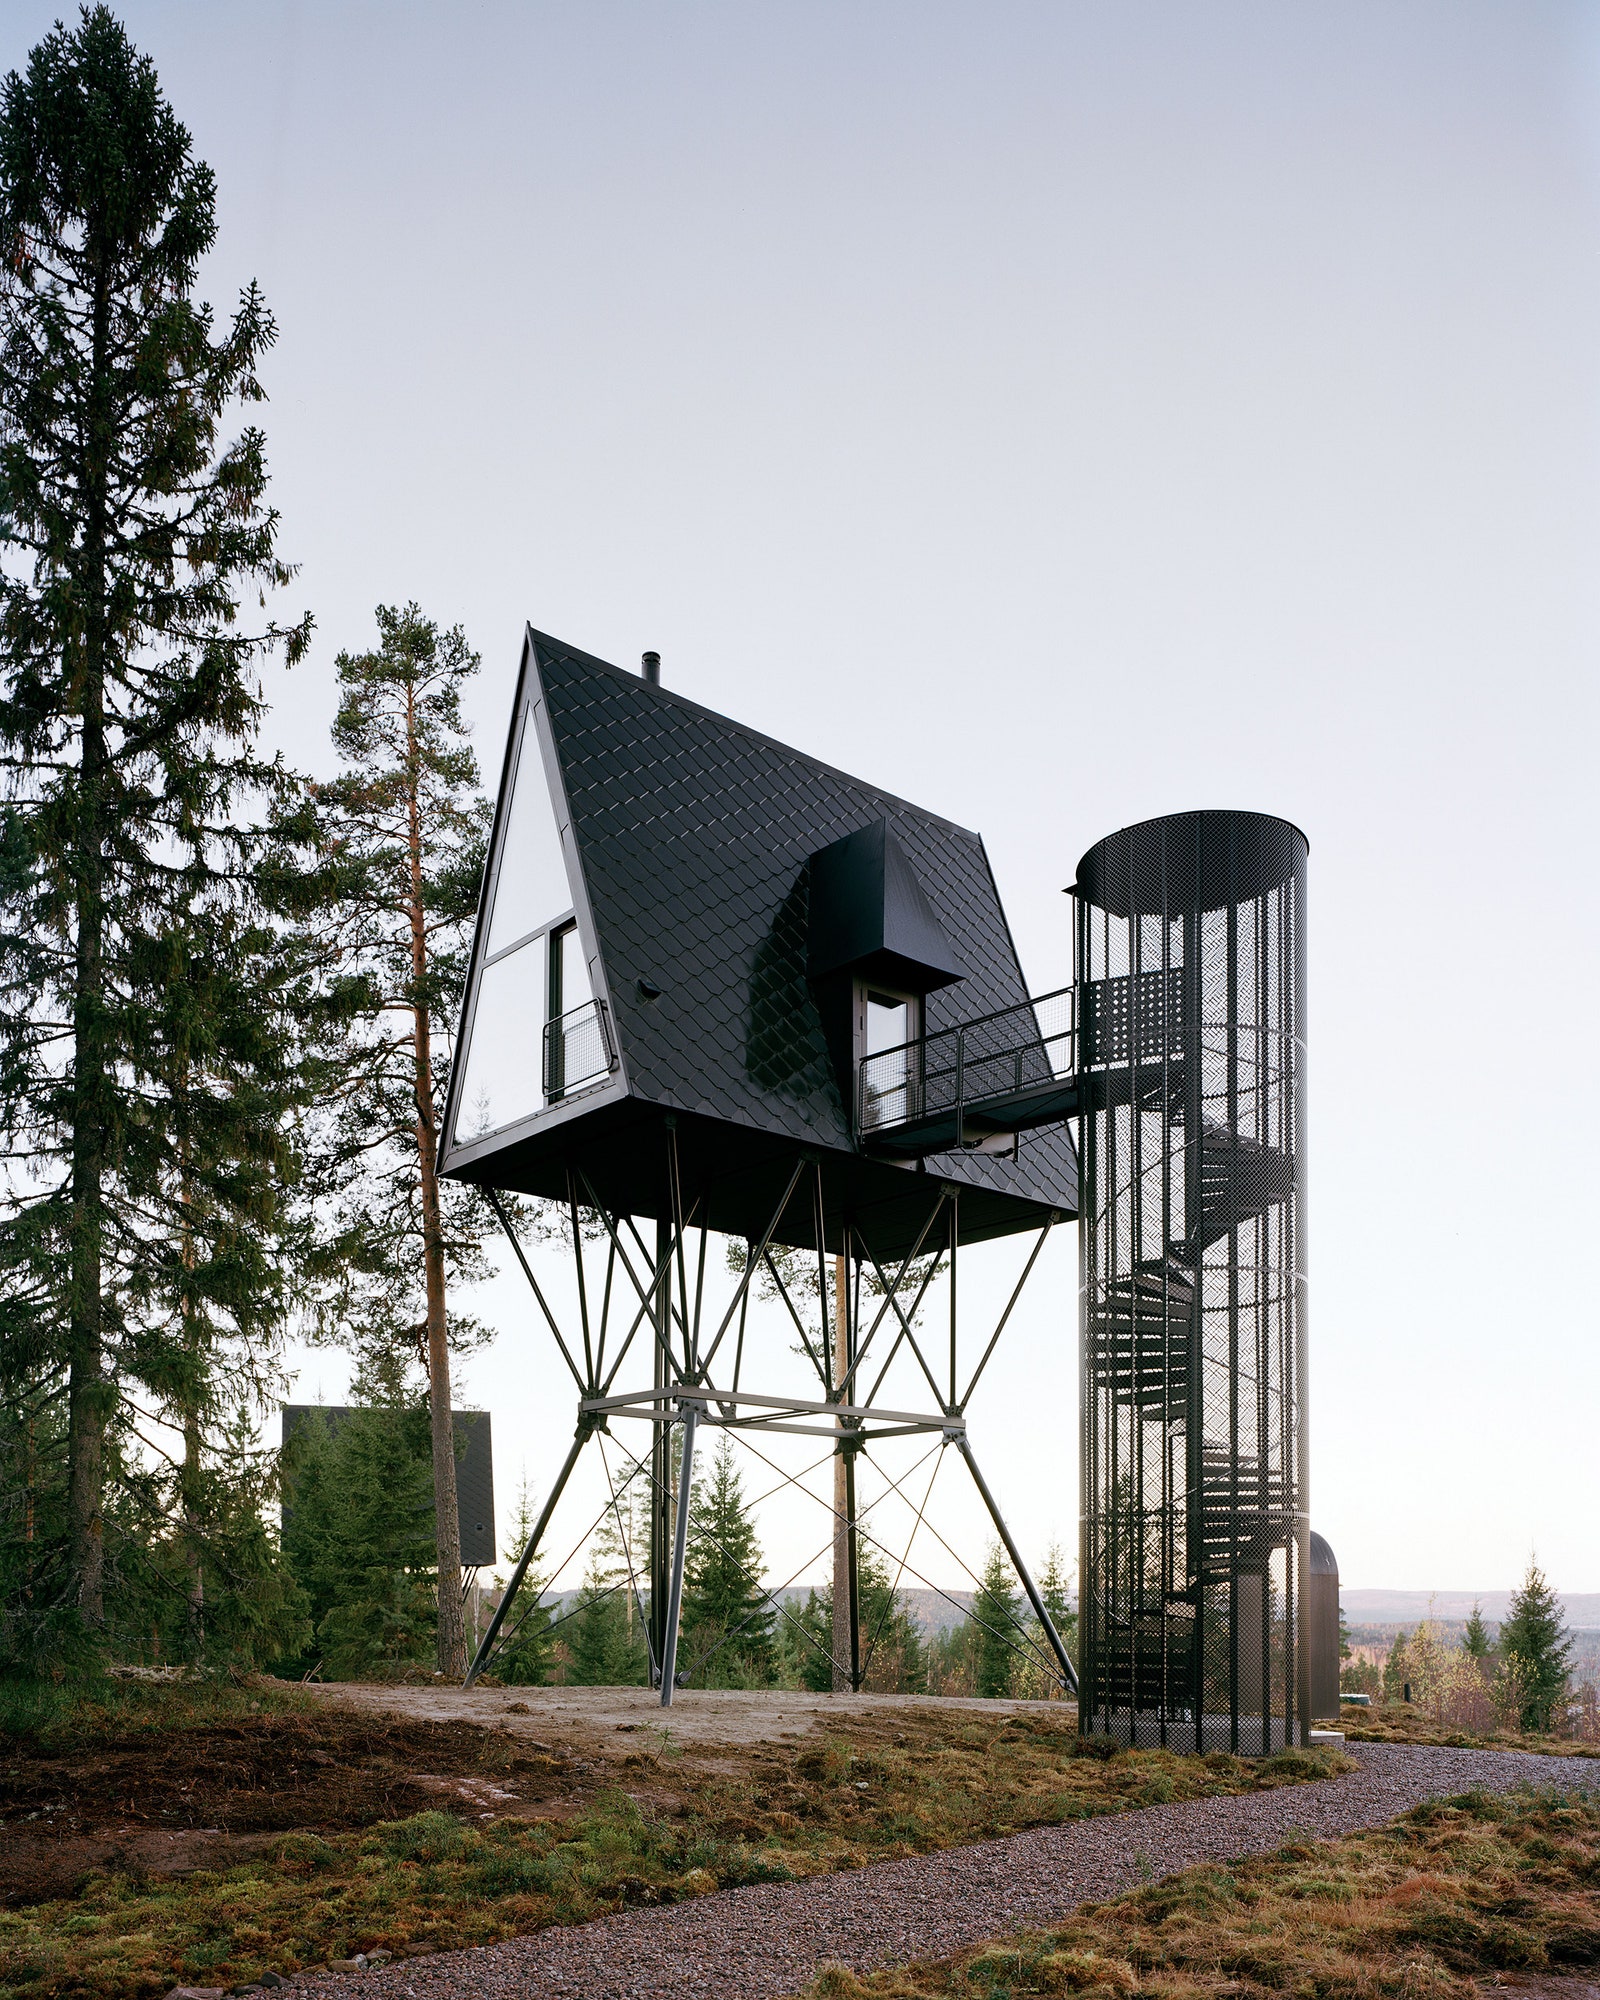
(196, 1594)
(196, 1587)
(86, 1384)
(452, 1649)
(841, 1495)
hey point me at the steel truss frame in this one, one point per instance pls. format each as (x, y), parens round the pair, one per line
(666, 1311)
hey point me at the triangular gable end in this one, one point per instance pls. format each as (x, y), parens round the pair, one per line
(535, 1028)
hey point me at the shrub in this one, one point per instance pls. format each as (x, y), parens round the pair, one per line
(429, 1836)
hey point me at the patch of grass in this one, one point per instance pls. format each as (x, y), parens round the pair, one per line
(892, 1783)
(1454, 1891)
(66, 1715)
(1402, 1722)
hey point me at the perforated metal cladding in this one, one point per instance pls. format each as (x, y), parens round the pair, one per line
(1191, 969)
(694, 835)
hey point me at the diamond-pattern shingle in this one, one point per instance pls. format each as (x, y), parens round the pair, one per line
(693, 833)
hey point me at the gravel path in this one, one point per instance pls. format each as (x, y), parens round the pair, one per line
(755, 1943)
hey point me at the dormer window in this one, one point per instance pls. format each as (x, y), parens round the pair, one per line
(887, 1026)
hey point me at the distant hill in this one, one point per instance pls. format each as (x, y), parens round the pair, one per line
(1398, 1607)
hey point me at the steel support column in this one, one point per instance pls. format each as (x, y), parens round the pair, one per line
(486, 1644)
(680, 1549)
(1069, 1673)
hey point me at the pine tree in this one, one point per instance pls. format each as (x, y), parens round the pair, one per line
(995, 1614)
(403, 832)
(1055, 1588)
(1535, 1643)
(1475, 1635)
(128, 708)
(1397, 1668)
(524, 1658)
(893, 1657)
(724, 1605)
(607, 1638)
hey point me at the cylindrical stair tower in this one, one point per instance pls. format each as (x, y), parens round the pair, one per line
(1189, 963)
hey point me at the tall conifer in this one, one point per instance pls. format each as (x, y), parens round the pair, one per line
(995, 1615)
(726, 1611)
(403, 830)
(1536, 1647)
(133, 515)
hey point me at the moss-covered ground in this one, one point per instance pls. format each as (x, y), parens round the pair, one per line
(205, 1838)
(1451, 1895)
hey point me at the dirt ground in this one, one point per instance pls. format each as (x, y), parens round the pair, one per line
(699, 1721)
(345, 1756)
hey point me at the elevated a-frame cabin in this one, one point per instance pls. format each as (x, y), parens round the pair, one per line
(686, 924)
(718, 983)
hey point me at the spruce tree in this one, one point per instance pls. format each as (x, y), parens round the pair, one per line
(524, 1658)
(1534, 1642)
(724, 1604)
(1397, 1668)
(607, 1641)
(997, 1623)
(893, 1657)
(814, 1640)
(1475, 1635)
(134, 522)
(402, 830)
(1055, 1587)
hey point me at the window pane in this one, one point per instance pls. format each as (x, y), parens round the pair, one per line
(532, 885)
(502, 1083)
(888, 1022)
(888, 1096)
(572, 973)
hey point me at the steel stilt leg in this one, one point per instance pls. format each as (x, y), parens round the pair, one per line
(680, 1547)
(508, 1595)
(1021, 1568)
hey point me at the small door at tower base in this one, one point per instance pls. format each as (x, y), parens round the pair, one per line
(1322, 1631)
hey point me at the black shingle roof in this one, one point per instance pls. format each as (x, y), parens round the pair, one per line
(693, 835)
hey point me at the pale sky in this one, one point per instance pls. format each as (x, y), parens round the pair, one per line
(1058, 414)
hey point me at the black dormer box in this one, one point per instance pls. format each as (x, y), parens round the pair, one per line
(874, 948)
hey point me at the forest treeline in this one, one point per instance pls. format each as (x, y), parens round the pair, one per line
(358, 1539)
(226, 1000)
(1515, 1676)
(225, 989)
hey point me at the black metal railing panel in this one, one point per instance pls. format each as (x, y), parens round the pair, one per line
(955, 1070)
(1134, 1018)
(577, 1050)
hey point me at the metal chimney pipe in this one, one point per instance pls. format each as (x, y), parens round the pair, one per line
(650, 667)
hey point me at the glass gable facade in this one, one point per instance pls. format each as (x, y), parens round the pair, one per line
(533, 967)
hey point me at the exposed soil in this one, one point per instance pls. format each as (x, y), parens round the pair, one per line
(169, 1803)
(699, 1720)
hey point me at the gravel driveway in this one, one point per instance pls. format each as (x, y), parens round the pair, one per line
(750, 1944)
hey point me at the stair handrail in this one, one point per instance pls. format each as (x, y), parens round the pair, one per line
(957, 1032)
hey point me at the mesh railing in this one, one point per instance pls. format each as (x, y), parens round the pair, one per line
(990, 1060)
(577, 1049)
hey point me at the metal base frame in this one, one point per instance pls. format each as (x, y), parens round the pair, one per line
(684, 1391)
